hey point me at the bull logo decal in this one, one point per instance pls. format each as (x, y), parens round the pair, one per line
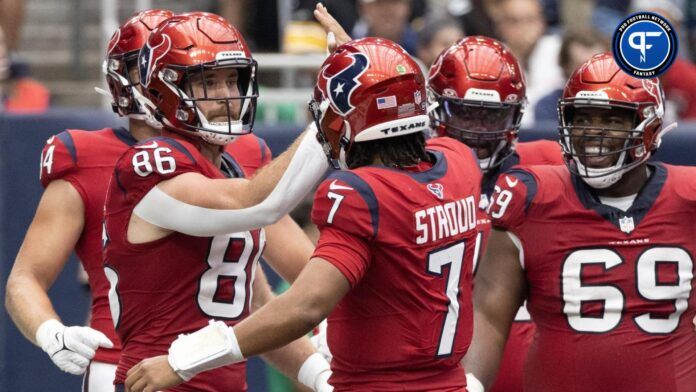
(147, 61)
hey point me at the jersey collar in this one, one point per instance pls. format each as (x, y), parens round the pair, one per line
(123, 135)
(436, 172)
(230, 168)
(641, 205)
(488, 185)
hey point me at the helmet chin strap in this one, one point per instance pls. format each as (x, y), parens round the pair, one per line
(343, 143)
(596, 177)
(665, 130)
(604, 177)
(487, 164)
(605, 181)
(103, 92)
(222, 133)
(148, 109)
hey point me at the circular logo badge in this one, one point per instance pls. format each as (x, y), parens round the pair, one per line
(645, 45)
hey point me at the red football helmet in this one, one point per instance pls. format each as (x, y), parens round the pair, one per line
(367, 89)
(122, 57)
(600, 85)
(479, 89)
(198, 72)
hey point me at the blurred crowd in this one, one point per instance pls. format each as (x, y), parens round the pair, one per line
(550, 37)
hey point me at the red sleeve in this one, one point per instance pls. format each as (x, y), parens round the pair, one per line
(266, 154)
(347, 252)
(540, 152)
(680, 86)
(345, 211)
(514, 194)
(250, 152)
(58, 158)
(146, 164)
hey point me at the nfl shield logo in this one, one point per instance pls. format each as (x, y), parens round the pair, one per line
(483, 203)
(626, 224)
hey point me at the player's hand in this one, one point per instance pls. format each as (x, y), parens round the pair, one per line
(70, 348)
(319, 341)
(152, 374)
(331, 25)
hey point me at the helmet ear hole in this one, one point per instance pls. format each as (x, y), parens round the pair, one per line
(155, 95)
(335, 124)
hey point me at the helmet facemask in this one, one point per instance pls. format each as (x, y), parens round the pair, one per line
(123, 77)
(334, 142)
(217, 101)
(604, 139)
(489, 128)
(118, 71)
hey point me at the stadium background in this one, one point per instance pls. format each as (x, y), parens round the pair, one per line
(55, 48)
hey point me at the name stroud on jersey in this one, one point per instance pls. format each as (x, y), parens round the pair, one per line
(445, 220)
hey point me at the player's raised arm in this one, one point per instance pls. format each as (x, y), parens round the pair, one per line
(498, 293)
(207, 206)
(331, 26)
(211, 100)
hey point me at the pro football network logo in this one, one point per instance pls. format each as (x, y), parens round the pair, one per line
(645, 45)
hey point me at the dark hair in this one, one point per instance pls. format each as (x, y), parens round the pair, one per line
(433, 27)
(586, 37)
(398, 152)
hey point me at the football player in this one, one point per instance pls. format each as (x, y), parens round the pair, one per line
(394, 261)
(180, 240)
(76, 167)
(479, 88)
(602, 249)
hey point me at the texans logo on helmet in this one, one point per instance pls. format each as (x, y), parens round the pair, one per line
(114, 41)
(146, 62)
(342, 85)
(653, 88)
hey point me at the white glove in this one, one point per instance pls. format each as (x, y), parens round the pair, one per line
(473, 384)
(315, 372)
(320, 342)
(70, 348)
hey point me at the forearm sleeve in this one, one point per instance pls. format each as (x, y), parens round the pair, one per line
(307, 167)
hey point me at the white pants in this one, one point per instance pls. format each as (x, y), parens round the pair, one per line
(99, 377)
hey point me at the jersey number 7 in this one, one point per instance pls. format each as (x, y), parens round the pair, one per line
(453, 256)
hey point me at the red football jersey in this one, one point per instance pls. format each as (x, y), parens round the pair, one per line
(540, 152)
(405, 240)
(86, 160)
(610, 291)
(176, 284)
(250, 152)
